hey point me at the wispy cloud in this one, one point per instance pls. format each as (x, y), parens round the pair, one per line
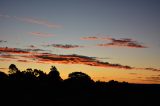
(22, 61)
(64, 46)
(3, 41)
(41, 34)
(90, 38)
(19, 51)
(153, 69)
(7, 56)
(123, 42)
(3, 68)
(39, 21)
(34, 50)
(153, 79)
(31, 46)
(33, 21)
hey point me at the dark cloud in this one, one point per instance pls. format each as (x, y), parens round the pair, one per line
(153, 69)
(34, 50)
(123, 42)
(3, 41)
(32, 46)
(77, 59)
(13, 50)
(113, 42)
(19, 51)
(66, 46)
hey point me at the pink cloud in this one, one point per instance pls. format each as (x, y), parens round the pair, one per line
(33, 21)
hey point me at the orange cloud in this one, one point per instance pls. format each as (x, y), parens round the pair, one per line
(90, 38)
(7, 56)
(22, 60)
(41, 34)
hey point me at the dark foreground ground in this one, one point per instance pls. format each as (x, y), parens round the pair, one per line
(68, 94)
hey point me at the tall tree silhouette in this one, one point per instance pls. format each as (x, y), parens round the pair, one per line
(54, 75)
(13, 69)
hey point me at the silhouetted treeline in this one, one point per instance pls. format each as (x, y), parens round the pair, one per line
(35, 87)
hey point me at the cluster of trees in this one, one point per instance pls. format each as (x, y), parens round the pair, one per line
(35, 87)
(14, 74)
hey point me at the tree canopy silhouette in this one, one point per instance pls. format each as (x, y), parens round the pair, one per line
(35, 87)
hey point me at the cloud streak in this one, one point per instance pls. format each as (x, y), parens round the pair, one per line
(3, 41)
(77, 59)
(90, 38)
(13, 50)
(40, 22)
(64, 46)
(33, 21)
(113, 42)
(42, 34)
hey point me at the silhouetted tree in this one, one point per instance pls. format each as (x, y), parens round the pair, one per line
(54, 75)
(40, 74)
(79, 75)
(13, 69)
(79, 79)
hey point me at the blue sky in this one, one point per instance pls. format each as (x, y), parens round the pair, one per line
(46, 22)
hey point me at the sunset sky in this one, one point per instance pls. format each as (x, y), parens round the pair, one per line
(107, 39)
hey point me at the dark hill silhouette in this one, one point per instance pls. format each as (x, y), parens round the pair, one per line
(34, 87)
